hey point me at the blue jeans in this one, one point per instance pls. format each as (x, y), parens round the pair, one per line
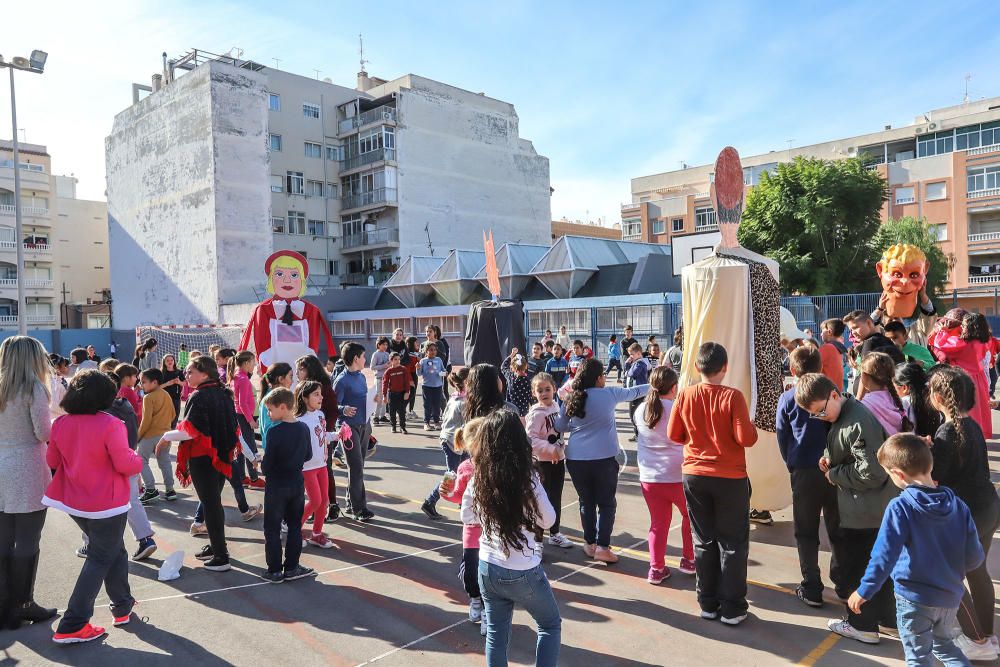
(432, 404)
(928, 630)
(501, 588)
(451, 461)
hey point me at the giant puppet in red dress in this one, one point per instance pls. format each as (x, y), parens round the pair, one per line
(284, 327)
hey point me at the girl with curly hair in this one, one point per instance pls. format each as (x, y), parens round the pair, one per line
(959, 339)
(877, 374)
(911, 384)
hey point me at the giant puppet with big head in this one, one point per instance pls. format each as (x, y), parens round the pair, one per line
(732, 297)
(285, 327)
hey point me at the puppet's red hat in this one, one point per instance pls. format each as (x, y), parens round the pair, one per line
(287, 253)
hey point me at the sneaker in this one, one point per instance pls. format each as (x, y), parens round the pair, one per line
(333, 513)
(218, 564)
(284, 528)
(170, 495)
(148, 496)
(299, 572)
(124, 619)
(431, 511)
(252, 513)
(605, 555)
(320, 540)
(633, 439)
(845, 629)
(560, 540)
(82, 552)
(395, 430)
(257, 484)
(338, 460)
(403, 429)
(205, 553)
(245, 482)
(273, 577)
(475, 610)
(800, 593)
(85, 634)
(589, 549)
(427, 427)
(687, 566)
(656, 576)
(146, 548)
(198, 529)
(762, 518)
(735, 620)
(364, 516)
(709, 615)
(973, 651)
(412, 415)
(995, 643)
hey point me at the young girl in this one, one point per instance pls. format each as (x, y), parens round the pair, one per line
(411, 361)
(518, 383)
(129, 375)
(961, 462)
(222, 357)
(173, 381)
(484, 392)
(451, 422)
(911, 385)
(89, 452)
(548, 448)
(879, 393)
(957, 341)
(506, 498)
(239, 369)
(452, 489)
(278, 375)
(653, 355)
(309, 368)
(308, 404)
(145, 355)
(660, 461)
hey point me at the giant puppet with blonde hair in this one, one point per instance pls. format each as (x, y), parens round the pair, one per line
(285, 327)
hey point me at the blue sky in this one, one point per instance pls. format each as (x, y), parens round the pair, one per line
(607, 91)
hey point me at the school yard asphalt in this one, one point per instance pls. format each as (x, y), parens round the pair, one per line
(388, 594)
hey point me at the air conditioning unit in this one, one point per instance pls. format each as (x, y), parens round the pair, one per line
(386, 115)
(920, 130)
(931, 126)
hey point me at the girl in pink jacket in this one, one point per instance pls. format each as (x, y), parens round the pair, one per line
(548, 448)
(89, 452)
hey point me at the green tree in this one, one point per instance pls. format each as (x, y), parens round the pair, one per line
(817, 219)
(916, 231)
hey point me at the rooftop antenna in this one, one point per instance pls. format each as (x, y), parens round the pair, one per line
(965, 100)
(277, 61)
(317, 74)
(361, 51)
(427, 230)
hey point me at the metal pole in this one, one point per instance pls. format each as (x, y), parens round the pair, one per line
(22, 314)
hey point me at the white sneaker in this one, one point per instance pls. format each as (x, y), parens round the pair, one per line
(560, 540)
(198, 529)
(735, 620)
(475, 610)
(845, 629)
(995, 642)
(973, 651)
(253, 513)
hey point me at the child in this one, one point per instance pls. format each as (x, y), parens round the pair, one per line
(412, 361)
(675, 353)
(636, 372)
(879, 393)
(911, 385)
(897, 333)
(397, 383)
(536, 362)
(548, 350)
(863, 492)
(106, 366)
(380, 362)
(958, 341)
(278, 375)
(518, 383)
(650, 342)
(284, 496)
(308, 367)
(453, 420)
(173, 381)
(713, 422)
(614, 357)
(660, 462)
(431, 370)
(88, 450)
(508, 549)
(129, 376)
(308, 401)
(557, 366)
(182, 356)
(801, 440)
(927, 542)
(653, 355)
(157, 416)
(961, 462)
(352, 396)
(548, 448)
(576, 357)
(239, 368)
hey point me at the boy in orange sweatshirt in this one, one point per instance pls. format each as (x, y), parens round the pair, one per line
(713, 422)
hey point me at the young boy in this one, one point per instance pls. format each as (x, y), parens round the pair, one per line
(157, 417)
(801, 440)
(549, 351)
(927, 542)
(182, 356)
(288, 449)
(614, 357)
(431, 372)
(352, 397)
(397, 383)
(380, 362)
(637, 370)
(557, 366)
(900, 337)
(863, 492)
(576, 357)
(536, 363)
(832, 335)
(713, 422)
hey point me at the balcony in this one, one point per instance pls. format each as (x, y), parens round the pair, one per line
(905, 200)
(983, 194)
(383, 114)
(30, 249)
(365, 159)
(27, 211)
(982, 150)
(371, 238)
(368, 198)
(33, 320)
(361, 278)
(987, 279)
(991, 236)
(29, 283)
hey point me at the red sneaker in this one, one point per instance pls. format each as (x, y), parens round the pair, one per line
(257, 483)
(124, 620)
(246, 481)
(85, 634)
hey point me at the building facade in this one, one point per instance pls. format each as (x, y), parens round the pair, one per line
(565, 227)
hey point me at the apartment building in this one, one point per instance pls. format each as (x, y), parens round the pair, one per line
(944, 167)
(595, 230)
(227, 159)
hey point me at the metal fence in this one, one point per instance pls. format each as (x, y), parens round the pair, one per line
(809, 311)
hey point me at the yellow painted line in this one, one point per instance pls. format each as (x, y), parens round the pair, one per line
(674, 563)
(814, 655)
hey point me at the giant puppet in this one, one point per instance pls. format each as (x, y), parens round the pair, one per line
(284, 327)
(731, 297)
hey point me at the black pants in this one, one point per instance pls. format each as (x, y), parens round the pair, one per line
(251, 441)
(397, 408)
(432, 404)
(596, 483)
(812, 495)
(855, 549)
(993, 380)
(413, 392)
(20, 534)
(612, 365)
(553, 478)
(208, 483)
(468, 571)
(107, 564)
(283, 503)
(632, 407)
(236, 482)
(354, 453)
(719, 510)
(976, 612)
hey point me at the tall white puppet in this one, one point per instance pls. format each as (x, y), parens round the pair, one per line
(731, 297)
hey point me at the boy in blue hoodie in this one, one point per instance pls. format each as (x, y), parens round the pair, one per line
(928, 541)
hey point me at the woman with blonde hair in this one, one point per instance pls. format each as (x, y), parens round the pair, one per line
(24, 413)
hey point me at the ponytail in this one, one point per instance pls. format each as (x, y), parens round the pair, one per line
(586, 378)
(661, 381)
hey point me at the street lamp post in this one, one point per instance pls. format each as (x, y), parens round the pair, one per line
(35, 64)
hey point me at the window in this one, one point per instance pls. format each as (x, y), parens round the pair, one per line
(313, 149)
(334, 153)
(274, 142)
(317, 267)
(450, 324)
(296, 222)
(277, 225)
(342, 328)
(314, 188)
(937, 143)
(935, 191)
(98, 321)
(939, 232)
(576, 321)
(317, 228)
(385, 327)
(677, 225)
(631, 229)
(659, 226)
(704, 218)
(274, 102)
(967, 137)
(277, 183)
(334, 267)
(984, 178)
(310, 110)
(331, 190)
(296, 182)
(905, 195)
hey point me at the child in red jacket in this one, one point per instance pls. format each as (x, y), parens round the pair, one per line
(89, 452)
